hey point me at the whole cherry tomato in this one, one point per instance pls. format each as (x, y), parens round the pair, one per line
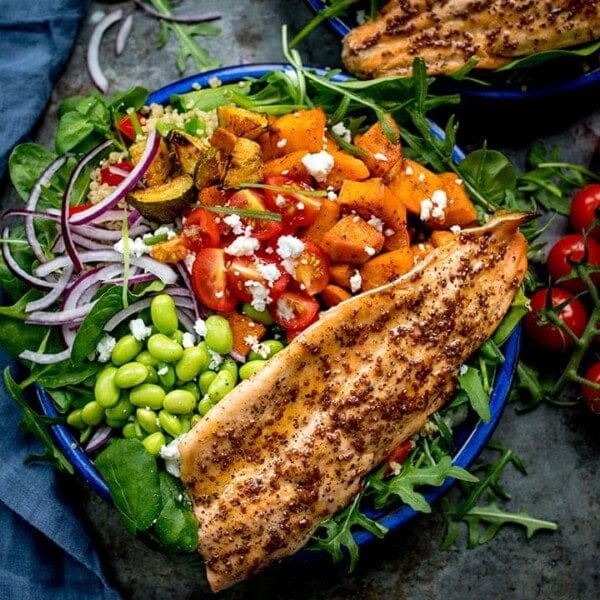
(569, 310)
(591, 396)
(568, 249)
(585, 208)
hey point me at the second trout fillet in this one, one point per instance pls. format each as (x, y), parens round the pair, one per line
(287, 448)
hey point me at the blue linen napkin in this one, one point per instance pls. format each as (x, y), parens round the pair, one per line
(45, 551)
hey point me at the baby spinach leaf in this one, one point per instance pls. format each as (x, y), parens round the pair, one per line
(26, 164)
(131, 474)
(15, 334)
(176, 526)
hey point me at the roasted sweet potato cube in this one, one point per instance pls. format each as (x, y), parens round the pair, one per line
(160, 168)
(381, 152)
(352, 240)
(223, 139)
(328, 215)
(290, 164)
(345, 166)
(386, 267)
(300, 130)
(340, 274)
(442, 237)
(334, 294)
(241, 121)
(244, 329)
(459, 210)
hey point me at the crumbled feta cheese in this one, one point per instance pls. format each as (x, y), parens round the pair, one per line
(408, 171)
(458, 181)
(262, 350)
(260, 295)
(421, 177)
(355, 281)
(215, 360)
(139, 329)
(463, 370)
(105, 347)
(281, 143)
(285, 310)
(243, 246)
(136, 247)
(235, 222)
(455, 229)
(341, 130)
(289, 246)
(331, 194)
(269, 271)
(280, 200)
(170, 454)
(426, 208)
(188, 341)
(164, 229)
(380, 156)
(200, 327)
(376, 223)
(318, 164)
(163, 370)
(370, 250)
(251, 340)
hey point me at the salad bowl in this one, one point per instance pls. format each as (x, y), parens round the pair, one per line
(470, 436)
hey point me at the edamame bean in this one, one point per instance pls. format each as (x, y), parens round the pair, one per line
(125, 350)
(129, 431)
(219, 336)
(92, 413)
(163, 314)
(192, 388)
(115, 423)
(268, 348)
(230, 365)
(106, 391)
(148, 420)
(147, 395)
(178, 336)
(164, 348)
(170, 423)
(222, 384)
(166, 376)
(152, 376)
(121, 411)
(260, 316)
(252, 366)
(205, 380)
(204, 405)
(179, 402)
(147, 359)
(130, 374)
(74, 419)
(194, 360)
(154, 442)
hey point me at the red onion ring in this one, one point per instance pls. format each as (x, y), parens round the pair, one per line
(85, 216)
(53, 295)
(42, 358)
(93, 49)
(99, 439)
(123, 34)
(199, 18)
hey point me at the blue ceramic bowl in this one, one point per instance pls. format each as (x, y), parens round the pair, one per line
(471, 437)
(574, 83)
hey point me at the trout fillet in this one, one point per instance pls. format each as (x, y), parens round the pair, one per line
(448, 33)
(287, 448)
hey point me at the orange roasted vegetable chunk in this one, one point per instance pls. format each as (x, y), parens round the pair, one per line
(334, 294)
(381, 152)
(442, 237)
(345, 166)
(459, 210)
(327, 217)
(300, 130)
(289, 164)
(352, 240)
(213, 195)
(386, 267)
(244, 329)
(340, 274)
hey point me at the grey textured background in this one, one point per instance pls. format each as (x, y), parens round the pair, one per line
(559, 446)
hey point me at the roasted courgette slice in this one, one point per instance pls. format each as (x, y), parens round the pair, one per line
(160, 168)
(209, 168)
(187, 150)
(245, 164)
(165, 202)
(241, 121)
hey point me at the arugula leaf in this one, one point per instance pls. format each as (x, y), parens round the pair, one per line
(131, 474)
(410, 476)
(38, 425)
(470, 382)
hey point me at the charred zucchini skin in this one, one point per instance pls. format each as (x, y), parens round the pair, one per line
(186, 149)
(165, 202)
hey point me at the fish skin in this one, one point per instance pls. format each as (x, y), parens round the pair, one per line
(448, 33)
(287, 448)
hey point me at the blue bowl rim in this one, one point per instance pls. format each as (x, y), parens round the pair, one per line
(342, 27)
(393, 518)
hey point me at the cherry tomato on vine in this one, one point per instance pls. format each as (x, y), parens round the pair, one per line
(200, 230)
(585, 208)
(568, 249)
(209, 280)
(570, 311)
(591, 396)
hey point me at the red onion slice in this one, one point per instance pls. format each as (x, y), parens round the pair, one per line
(123, 34)
(32, 201)
(42, 358)
(60, 317)
(199, 18)
(99, 439)
(93, 49)
(53, 295)
(85, 216)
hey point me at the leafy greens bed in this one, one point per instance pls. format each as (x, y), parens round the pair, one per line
(57, 182)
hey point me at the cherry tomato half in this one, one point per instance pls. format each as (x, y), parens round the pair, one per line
(568, 249)
(246, 275)
(569, 310)
(262, 228)
(125, 126)
(209, 280)
(296, 208)
(200, 230)
(591, 396)
(311, 268)
(295, 310)
(585, 208)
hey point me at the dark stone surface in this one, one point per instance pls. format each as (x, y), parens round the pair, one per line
(559, 446)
